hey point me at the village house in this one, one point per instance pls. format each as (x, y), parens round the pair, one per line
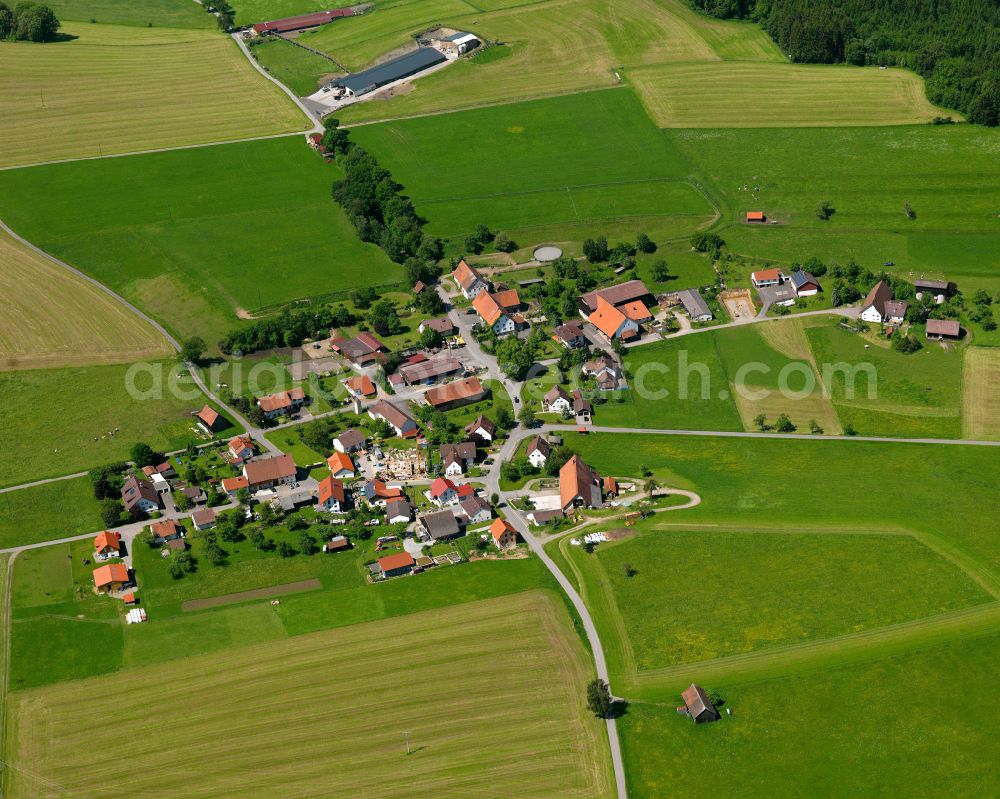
(282, 403)
(439, 525)
(698, 706)
(938, 290)
(476, 509)
(482, 428)
(880, 308)
(332, 496)
(203, 519)
(504, 536)
(493, 315)
(377, 493)
(341, 466)
(443, 492)
(163, 470)
(394, 565)
(538, 452)
(579, 485)
(767, 277)
(943, 329)
(804, 283)
(456, 458)
(456, 394)
(606, 372)
(404, 425)
(695, 305)
(196, 494)
(232, 485)
(556, 400)
(269, 472)
(337, 543)
(469, 281)
(111, 577)
(166, 530)
(361, 350)
(349, 441)
(107, 545)
(570, 335)
(626, 293)
(612, 322)
(240, 448)
(582, 408)
(428, 371)
(443, 326)
(360, 386)
(209, 419)
(398, 511)
(139, 496)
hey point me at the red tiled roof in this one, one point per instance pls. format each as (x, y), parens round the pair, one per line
(208, 415)
(338, 461)
(106, 539)
(499, 527)
(607, 318)
(269, 469)
(111, 573)
(397, 561)
(454, 391)
(441, 485)
(755, 216)
(361, 384)
(487, 307)
(331, 487)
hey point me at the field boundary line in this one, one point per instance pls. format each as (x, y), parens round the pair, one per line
(5, 641)
(555, 190)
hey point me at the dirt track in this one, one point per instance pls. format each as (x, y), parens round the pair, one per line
(257, 593)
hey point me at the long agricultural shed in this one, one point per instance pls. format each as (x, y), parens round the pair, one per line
(304, 21)
(403, 66)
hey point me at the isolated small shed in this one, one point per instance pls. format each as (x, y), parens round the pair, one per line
(699, 706)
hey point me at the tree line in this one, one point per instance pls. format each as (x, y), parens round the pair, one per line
(28, 22)
(953, 44)
(288, 329)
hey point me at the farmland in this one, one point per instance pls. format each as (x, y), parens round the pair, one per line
(740, 94)
(981, 394)
(152, 13)
(54, 318)
(162, 229)
(341, 685)
(118, 89)
(547, 165)
(47, 512)
(61, 421)
(300, 70)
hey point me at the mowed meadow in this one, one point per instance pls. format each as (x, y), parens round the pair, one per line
(121, 88)
(360, 689)
(194, 235)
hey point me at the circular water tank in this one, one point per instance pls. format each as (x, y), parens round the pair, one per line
(547, 253)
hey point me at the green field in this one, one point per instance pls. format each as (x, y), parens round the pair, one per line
(118, 89)
(152, 13)
(48, 512)
(548, 166)
(251, 11)
(947, 174)
(300, 70)
(347, 686)
(193, 235)
(831, 732)
(740, 94)
(61, 421)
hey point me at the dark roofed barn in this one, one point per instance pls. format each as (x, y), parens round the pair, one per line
(403, 66)
(698, 706)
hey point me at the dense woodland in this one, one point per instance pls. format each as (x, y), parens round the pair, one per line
(953, 44)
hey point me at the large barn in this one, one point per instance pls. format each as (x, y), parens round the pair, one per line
(403, 66)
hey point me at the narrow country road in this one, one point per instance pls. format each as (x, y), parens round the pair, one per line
(317, 127)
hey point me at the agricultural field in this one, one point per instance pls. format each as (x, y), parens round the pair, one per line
(540, 740)
(54, 318)
(742, 94)
(547, 167)
(61, 421)
(182, 233)
(117, 89)
(300, 70)
(981, 394)
(48, 512)
(148, 13)
(251, 11)
(946, 173)
(761, 743)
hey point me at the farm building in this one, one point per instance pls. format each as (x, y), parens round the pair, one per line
(469, 280)
(456, 393)
(538, 452)
(394, 565)
(337, 543)
(879, 306)
(939, 290)
(112, 577)
(504, 536)
(440, 525)
(429, 371)
(943, 329)
(209, 419)
(493, 315)
(458, 43)
(203, 519)
(399, 420)
(579, 485)
(349, 441)
(482, 428)
(332, 495)
(404, 66)
(360, 386)
(622, 294)
(755, 217)
(304, 21)
(341, 466)
(361, 350)
(695, 305)
(698, 706)
(270, 472)
(612, 322)
(895, 311)
(231, 485)
(282, 403)
(139, 495)
(108, 545)
(767, 277)
(804, 283)
(443, 326)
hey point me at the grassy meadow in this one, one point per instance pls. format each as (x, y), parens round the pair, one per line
(981, 393)
(117, 89)
(348, 686)
(193, 235)
(300, 70)
(61, 421)
(47, 512)
(53, 318)
(151, 13)
(548, 166)
(743, 94)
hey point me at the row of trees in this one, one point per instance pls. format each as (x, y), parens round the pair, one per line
(954, 44)
(28, 22)
(288, 329)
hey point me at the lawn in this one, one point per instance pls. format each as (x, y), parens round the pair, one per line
(48, 512)
(54, 318)
(579, 161)
(118, 89)
(347, 686)
(300, 70)
(151, 13)
(917, 394)
(251, 11)
(831, 732)
(498, 399)
(947, 174)
(61, 421)
(193, 235)
(981, 394)
(742, 94)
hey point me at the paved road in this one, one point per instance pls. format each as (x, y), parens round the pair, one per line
(317, 126)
